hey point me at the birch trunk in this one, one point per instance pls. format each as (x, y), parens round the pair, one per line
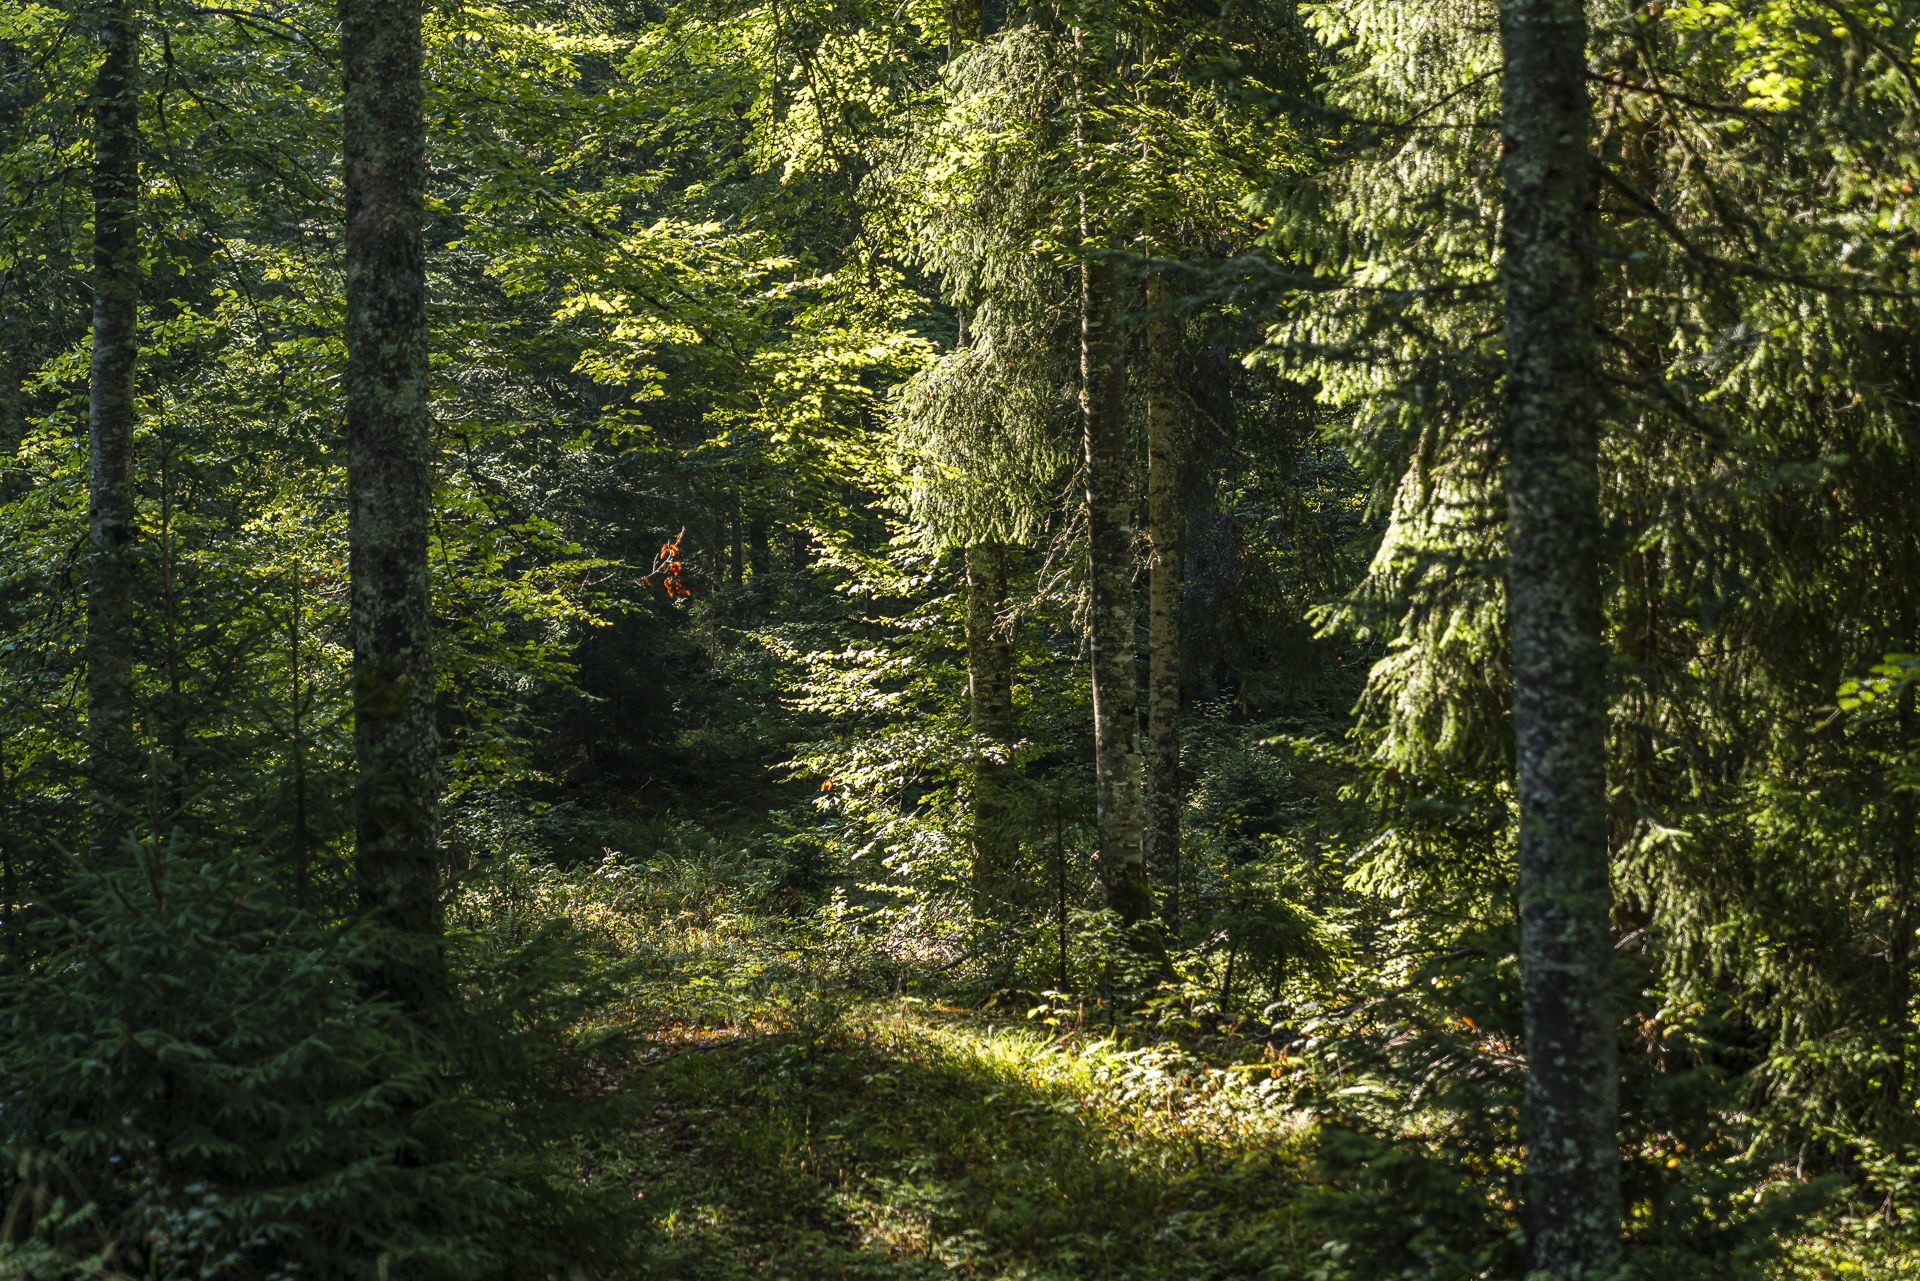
(390, 484)
(1163, 601)
(112, 412)
(1572, 1213)
(1116, 695)
(990, 706)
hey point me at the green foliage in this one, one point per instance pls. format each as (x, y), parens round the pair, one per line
(1423, 1131)
(192, 1069)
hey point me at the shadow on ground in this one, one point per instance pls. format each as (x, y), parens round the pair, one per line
(878, 1149)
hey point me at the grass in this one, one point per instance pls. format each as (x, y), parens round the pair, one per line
(793, 1127)
(898, 1141)
(792, 1123)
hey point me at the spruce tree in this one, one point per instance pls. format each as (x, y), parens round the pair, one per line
(112, 416)
(390, 472)
(1164, 521)
(1119, 770)
(1559, 653)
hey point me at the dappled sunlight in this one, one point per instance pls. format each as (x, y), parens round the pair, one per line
(885, 1138)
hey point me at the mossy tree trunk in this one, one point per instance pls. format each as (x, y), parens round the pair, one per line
(112, 414)
(1572, 1214)
(390, 482)
(990, 707)
(1163, 601)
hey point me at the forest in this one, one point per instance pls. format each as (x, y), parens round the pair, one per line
(1170, 640)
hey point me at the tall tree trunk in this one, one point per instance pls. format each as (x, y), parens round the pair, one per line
(989, 648)
(390, 484)
(13, 372)
(113, 755)
(990, 699)
(1116, 694)
(736, 559)
(1163, 601)
(1572, 1212)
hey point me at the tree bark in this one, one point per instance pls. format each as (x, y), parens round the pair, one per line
(759, 556)
(965, 24)
(112, 414)
(1116, 696)
(390, 484)
(990, 699)
(736, 558)
(1163, 601)
(1572, 1214)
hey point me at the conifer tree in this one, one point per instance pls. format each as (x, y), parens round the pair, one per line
(390, 480)
(990, 715)
(1559, 656)
(112, 410)
(989, 645)
(1163, 608)
(1118, 767)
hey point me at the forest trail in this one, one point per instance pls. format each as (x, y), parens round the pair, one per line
(900, 1139)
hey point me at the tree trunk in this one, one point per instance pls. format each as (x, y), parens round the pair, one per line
(990, 698)
(1572, 1214)
(736, 559)
(1116, 695)
(113, 756)
(13, 372)
(1163, 602)
(390, 484)
(965, 24)
(759, 557)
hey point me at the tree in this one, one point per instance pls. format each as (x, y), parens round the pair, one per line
(1163, 602)
(390, 470)
(1559, 651)
(1119, 773)
(112, 415)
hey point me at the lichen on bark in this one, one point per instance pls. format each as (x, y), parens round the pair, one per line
(1572, 1212)
(390, 466)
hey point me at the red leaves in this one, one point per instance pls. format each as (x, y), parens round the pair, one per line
(666, 567)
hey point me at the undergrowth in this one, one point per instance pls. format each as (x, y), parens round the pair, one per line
(811, 1106)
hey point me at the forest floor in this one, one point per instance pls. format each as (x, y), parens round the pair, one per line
(789, 1123)
(901, 1139)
